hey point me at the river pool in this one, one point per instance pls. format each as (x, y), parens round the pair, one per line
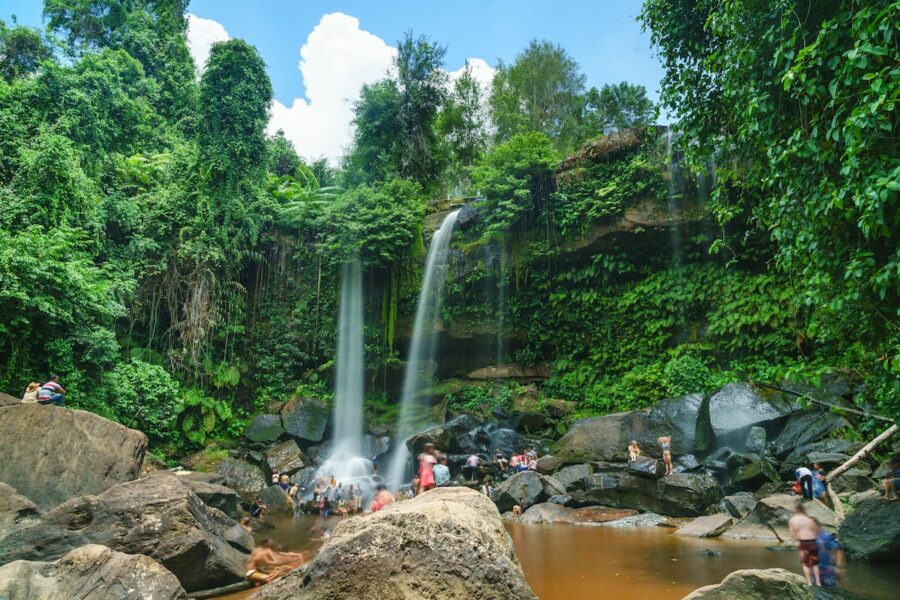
(573, 562)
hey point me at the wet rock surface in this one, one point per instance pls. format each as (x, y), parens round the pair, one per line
(756, 583)
(16, 510)
(706, 526)
(243, 477)
(446, 544)
(306, 418)
(155, 516)
(38, 443)
(872, 531)
(264, 428)
(88, 573)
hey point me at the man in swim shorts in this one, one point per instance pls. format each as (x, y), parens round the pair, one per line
(805, 530)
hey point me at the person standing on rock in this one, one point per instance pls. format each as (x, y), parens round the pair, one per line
(665, 443)
(473, 463)
(486, 488)
(500, 459)
(805, 530)
(427, 461)
(51, 392)
(805, 479)
(441, 472)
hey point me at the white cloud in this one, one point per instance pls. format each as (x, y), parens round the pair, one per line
(336, 60)
(481, 71)
(201, 35)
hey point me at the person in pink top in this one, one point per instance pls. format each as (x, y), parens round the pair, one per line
(427, 460)
(51, 392)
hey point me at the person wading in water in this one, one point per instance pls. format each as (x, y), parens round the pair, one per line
(805, 530)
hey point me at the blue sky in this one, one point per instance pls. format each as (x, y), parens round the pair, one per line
(602, 35)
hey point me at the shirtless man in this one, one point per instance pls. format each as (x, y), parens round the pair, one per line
(267, 564)
(805, 530)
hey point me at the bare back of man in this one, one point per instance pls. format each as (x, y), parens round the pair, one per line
(805, 530)
(266, 564)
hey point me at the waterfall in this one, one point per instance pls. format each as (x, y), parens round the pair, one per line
(501, 309)
(346, 462)
(423, 347)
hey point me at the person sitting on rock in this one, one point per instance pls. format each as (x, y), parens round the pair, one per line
(31, 393)
(892, 482)
(665, 444)
(517, 508)
(382, 498)
(285, 482)
(268, 562)
(275, 478)
(500, 459)
(51, 392)
(245, 523)
(342, 507)
(805, 530)
(634, 451)
(486, 488)
(441, 472)
(259, 508)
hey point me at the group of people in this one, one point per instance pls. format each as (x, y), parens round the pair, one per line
(433, 471)
(820, 552)
(50, 392)
(811, 483)
(665, 446)
(333, 497)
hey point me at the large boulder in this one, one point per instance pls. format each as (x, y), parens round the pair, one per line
(243, 477)
(306, 418)
(752, 476)
(88, 573)
(605, 438)
(277, 500)
(8, 400)
(808, 453)
(677, 495)
(756, 584)
(285, 458)
(872, 531)
(50, 454)
(264, 428)
(646, 466)
(804, 428)
(768, 521)
(706, 526)
(738, 505)
(448, 543)
(155, 516)
(739, 405)
(549, 513)
(573, 476)
(208, 488)
(528, 486)
(16, 510)
(676, 417)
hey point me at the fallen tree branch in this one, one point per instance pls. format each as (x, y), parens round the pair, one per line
(838, 507)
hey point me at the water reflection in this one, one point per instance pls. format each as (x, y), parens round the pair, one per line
(567, 562)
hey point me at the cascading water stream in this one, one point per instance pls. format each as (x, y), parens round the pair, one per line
(346, 462)
(421, 359)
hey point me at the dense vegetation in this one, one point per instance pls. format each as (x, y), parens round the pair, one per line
(178, 267)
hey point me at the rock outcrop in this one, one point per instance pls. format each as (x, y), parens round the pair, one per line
(768, 521)
(16, 510)
(706, 526)
(756, 584)
(243, 477)
(530, 487)
(264, 428)
(872, 531)
(306, 418)
(88, 573)
(446, 544)
(677, 495)
(50, 454)
(155, 516)
(285, 458)
(739, 405)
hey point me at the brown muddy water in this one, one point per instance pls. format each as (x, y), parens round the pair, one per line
(574, 562)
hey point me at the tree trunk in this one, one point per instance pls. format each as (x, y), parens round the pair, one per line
(838, 507)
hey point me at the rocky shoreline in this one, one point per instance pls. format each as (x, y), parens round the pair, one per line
(77, 505)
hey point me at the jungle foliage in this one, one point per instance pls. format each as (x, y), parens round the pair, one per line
(178, 267)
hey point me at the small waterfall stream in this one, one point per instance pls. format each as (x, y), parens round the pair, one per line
(421, 359)
(346, 462)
